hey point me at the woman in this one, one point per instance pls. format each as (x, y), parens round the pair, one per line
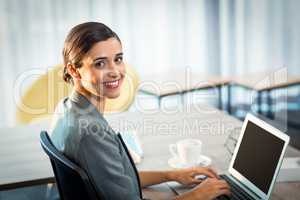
(93, 64)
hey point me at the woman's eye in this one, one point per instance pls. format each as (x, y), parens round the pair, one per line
(119, 60)
(99, 64)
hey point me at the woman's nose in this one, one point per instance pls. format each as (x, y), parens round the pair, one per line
(113, 71)
(113, 74)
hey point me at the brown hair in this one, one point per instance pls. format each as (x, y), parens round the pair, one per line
(80, 40)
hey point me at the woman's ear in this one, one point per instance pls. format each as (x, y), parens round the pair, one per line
(72, 70)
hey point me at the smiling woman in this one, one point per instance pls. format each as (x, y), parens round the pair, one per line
(93, 64)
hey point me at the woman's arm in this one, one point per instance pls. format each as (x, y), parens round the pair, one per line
(148, 178)
(184, 176)
(209, 188)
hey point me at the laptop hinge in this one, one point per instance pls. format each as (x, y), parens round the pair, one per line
(248, 189)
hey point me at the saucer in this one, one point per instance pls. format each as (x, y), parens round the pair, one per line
(176, 163)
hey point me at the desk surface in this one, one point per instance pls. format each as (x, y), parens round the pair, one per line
(158, 130)
(266, 80)
(179, 81)
(23, 162)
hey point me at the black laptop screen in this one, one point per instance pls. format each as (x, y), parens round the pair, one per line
(258, 156)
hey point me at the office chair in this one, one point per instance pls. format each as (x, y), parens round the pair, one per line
(72, 181)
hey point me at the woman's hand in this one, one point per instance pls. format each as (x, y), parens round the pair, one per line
(188, 176)
(209, 189)
(184, 176)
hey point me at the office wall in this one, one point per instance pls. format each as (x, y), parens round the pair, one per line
(259, 34)
(209, 36)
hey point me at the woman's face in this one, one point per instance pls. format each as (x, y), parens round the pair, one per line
(103, 69)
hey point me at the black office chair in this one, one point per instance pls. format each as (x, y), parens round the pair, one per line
(72, 181)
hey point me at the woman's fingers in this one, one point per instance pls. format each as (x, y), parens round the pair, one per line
(195, 181)
(214, 172)
(205, 171)
(224, 192)
(223, 184)
(222, 187)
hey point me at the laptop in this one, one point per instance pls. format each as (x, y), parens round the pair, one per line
(256, 161)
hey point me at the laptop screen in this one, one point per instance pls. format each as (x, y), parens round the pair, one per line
(258, 156)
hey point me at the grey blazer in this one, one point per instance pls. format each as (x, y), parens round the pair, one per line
(84, 136)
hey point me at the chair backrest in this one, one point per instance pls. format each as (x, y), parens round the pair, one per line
(72, 181)
(40, 99)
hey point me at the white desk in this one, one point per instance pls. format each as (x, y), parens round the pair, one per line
(23, 162)
(263, 82)
(180, 82)
(158, 130)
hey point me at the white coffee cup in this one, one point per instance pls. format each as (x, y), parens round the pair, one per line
(188, 151)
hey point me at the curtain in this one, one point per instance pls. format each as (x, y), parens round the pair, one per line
(258, 35)
(223, 37)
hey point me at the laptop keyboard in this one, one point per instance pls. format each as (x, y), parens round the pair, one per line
(236, 192)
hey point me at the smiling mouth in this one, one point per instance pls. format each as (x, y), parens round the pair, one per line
(112, 84)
